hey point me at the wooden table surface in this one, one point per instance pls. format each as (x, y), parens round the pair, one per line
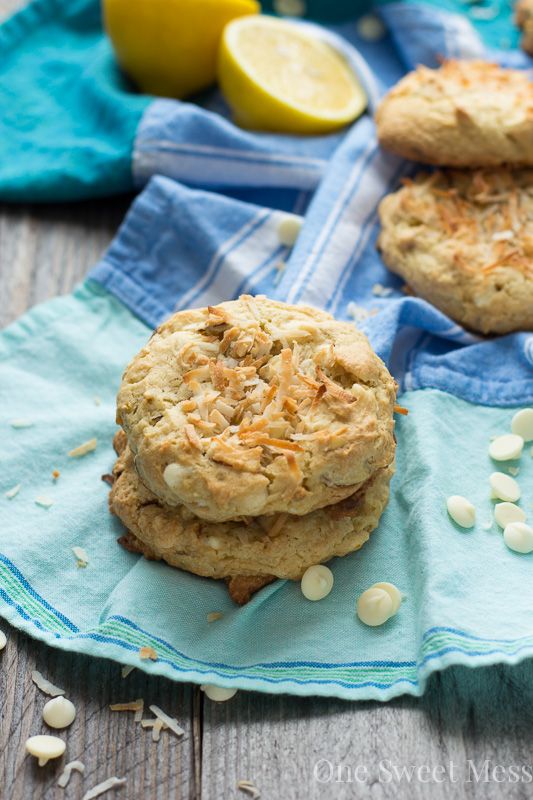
(274, 741)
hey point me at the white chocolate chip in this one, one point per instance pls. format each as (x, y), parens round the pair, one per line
(59, 712)
(289, 229)
(3, 640)
(522, 424)
(218, 693)
(393, 592)
(44, 748)
(505, 513)
(461, 511)
(504, 487)
(506, 447)
(518, 537)
(375, 606)
(173, 475)
(317, 582)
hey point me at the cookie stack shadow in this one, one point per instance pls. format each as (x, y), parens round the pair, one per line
(462, 235)
(257, 440)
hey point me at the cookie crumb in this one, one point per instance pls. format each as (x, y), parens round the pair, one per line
(55, 474)
(82, 559)
(146, 653)
(249, 788)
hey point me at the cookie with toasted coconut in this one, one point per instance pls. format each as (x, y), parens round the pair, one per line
(247, 554)
(255, 407)
(463, 114)
(463, 240)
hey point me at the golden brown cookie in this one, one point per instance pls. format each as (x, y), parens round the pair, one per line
(524, 20)
(257, 407)
(263, 548)
(464, 241)
(464, 114)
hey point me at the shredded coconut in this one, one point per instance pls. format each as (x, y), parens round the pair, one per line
(11, 493)
(126, 669)
(156, 725)
(44, 501)
(214, 615)
(45, 686)
(249, 788)
(105, 786)
(64, 778)
(135, 705)
(83, 449)
(170, 722)
(82, 559)
(21, 423)
(146, 653)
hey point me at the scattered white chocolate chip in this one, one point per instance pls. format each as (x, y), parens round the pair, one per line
(375, 606)
(83, 449)
(522, 424)
(218, 693)
(44, 685)
(44, 501)
(3, 640)
(518, 537)
(59, 712)
(378, 290)
(135, 705)
(506, 447)
(214, 615)
(11, 493)
(461, 511)
(249, 788)
(393, 592)
(289, 229)
(169, 722)
(105, 786)
(21, 423)
(64, 778)
(317, 582)
(126, 669)
(44, 748)
(82, 559)
(370, 28)
(505, 513)
(146, 653)
(504, 487)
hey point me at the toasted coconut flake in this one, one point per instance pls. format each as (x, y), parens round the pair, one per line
(146, 653)
(277, 525)
(334, 389)
(109, 479)
(44, 501)
(136, 705)
(105, 786)
(45, 686)
(83, 449)
(214, 615)
(82, 559)
(126, 670)
(249, 788)
(64, 778)
(192, 437)
(11, 493)
(171, 723)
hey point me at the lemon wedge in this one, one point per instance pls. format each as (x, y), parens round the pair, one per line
(276, 76)
(169, 47)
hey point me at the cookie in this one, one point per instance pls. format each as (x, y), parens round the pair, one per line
(464, 114)
(463, 240)
(256, 407)
(244, 554)
(524, 20)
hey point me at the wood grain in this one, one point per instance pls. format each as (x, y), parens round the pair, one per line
(275, 741)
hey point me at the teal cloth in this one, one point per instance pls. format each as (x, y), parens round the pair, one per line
(467, 598)
(68, 118)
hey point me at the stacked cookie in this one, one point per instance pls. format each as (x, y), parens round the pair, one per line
(463, 238)
(257, 441)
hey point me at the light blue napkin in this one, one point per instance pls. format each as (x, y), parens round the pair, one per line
(467, 599)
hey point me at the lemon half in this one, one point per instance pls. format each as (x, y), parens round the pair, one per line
(169, 47)
(278, 77)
